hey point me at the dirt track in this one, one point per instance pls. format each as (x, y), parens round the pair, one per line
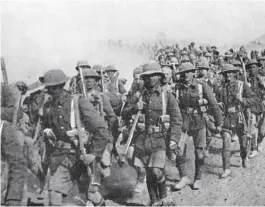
(244, 187)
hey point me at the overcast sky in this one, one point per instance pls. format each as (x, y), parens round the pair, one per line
(36, 35)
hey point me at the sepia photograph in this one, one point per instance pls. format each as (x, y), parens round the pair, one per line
(132, 103)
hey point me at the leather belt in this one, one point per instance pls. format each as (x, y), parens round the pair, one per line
(63, 145)
(152, 128)
(190, 110)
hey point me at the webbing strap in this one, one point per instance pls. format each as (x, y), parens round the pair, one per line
(164, 103)
(240, 88)
(200, 90)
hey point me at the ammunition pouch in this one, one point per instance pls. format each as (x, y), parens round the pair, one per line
(164, 122)
(190, 110)
(232, 109)
(141, 127)
(203, 102)
(153, 129)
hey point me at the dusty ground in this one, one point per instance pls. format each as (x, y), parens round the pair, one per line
(244, 187)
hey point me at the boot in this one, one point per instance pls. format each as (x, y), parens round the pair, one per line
(197, 185)
(261, 145)
(246, 163)
(152, 189)
(182, 183)
(226, 173)
(234, 138)
(139, 187)
(206, 153)
(162, 190)
(254, 153)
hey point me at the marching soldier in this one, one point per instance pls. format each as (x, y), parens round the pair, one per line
(203, 75)
(104, 77)
(240, 74)
(160, 109)
(169, 85)
(228, 57)
(11, 144)
(194, 96)
(99, 100)
(261, 61)
(116, 85)
(192, 48)
(235, 97)
(73, 83)
(64, 116)
(137, 84)
(256, 110)
(115, 89)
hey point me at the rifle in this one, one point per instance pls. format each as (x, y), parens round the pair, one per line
(39, 124)
(122, 150)
(3, 68)
(102, 80)
(83, 82)
(18, 100)
(247, 124)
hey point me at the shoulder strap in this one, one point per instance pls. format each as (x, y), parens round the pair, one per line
(164, 102)
(74, 108)
(200, 90)
(240, 87)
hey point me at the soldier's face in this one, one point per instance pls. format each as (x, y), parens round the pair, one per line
(111, 73)
(229, 77)
(54, 90)
(262, 62)
(187, 77)
(168, 74)
(202, 73)
(151, 80)
(90, 82)
(253, 69)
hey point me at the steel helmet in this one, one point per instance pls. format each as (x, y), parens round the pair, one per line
(203, 65)
(151, 68)
(138, 70)
(173, 61)
(98, 68)
(236, 63)
(228, 68)
(186, 67)
(54, 77)
(208, 54)
(110, 68)
(185, 59)
(91, 73)
(253, 62)
(81, 63)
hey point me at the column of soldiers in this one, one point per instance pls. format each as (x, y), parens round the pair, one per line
(75, 122)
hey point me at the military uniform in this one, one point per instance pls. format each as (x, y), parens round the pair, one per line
(115, 90)
(193, 102)
(73, 88)
(257, 110)
(233, 116)
(150, 144)
(65, 163)
(12, 147)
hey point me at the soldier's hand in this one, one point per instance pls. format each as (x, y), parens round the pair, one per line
(239, 97)
(173, 146)
(218, 129)
(87, 158)
(22, 87)
(139, 105)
